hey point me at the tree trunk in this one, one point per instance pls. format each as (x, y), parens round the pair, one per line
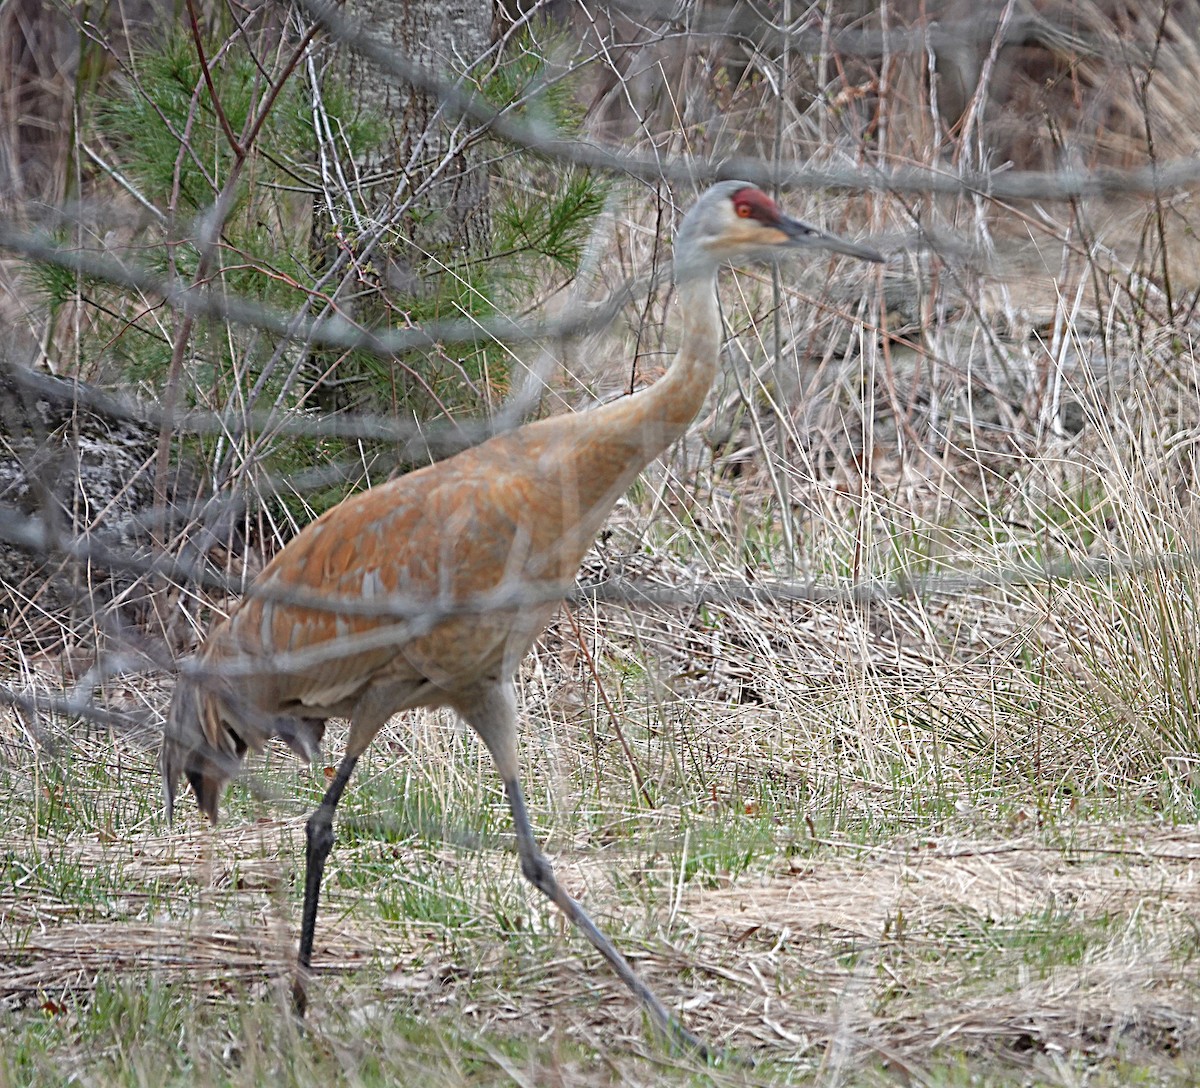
(424, 165)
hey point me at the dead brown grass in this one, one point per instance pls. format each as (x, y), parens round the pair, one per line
(854, 952)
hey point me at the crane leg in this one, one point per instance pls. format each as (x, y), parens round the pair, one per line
(319, 837)
(540, 874)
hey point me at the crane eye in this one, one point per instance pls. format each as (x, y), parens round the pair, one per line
(744, 210)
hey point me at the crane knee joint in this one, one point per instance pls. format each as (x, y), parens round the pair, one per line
(319, 832)
(539, 873)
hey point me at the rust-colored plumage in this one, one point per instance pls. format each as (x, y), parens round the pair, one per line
(428, 590)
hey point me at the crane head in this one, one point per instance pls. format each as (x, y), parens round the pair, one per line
(735, 221)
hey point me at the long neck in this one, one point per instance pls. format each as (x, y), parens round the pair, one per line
(644, 425)
(594, 456)
(672, 402)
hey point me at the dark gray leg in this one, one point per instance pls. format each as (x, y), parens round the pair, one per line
(491, 712)
(319, 836)
(539, 873)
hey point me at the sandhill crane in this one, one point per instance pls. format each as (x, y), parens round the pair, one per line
(429, 590)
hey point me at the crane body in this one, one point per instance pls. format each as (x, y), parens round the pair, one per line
(428, 590)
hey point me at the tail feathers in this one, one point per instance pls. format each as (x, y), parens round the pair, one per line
(207, 734)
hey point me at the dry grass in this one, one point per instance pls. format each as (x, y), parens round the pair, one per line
(1004, 947)
(931, 825)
